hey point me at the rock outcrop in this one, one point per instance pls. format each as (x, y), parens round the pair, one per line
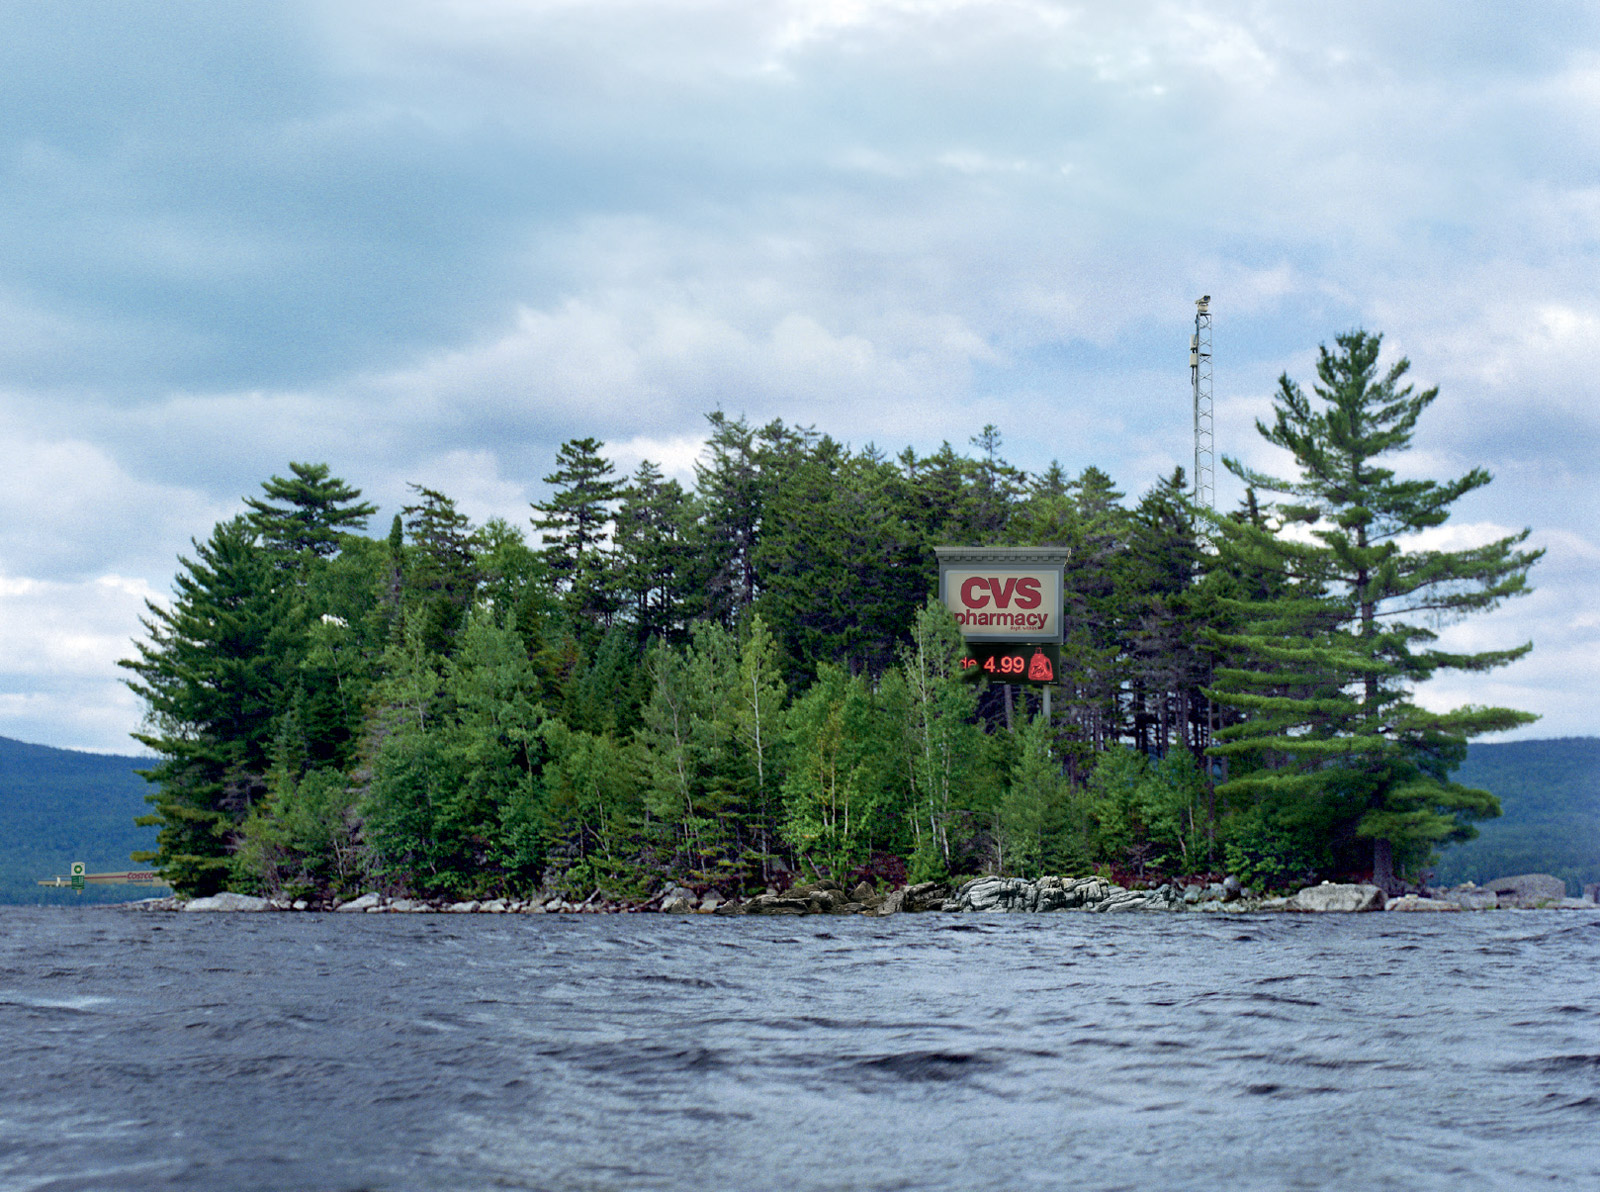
(1338, 898)
(1416, 902)
(1528, 890)
(823, 897)
(1014, 895)
(1470, 897)
(228, 902)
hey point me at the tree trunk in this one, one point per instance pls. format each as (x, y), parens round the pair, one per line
(1383, 867)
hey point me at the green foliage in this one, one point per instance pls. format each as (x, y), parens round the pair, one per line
(1322, 668)
(440, 567)
(723, 683)
(842, 562)
(1272, 848)
(455, 797)
(574, 527)
(951, 790)
(213, 676)
(308, 514)
(594, 809)
(301, 840)
(654, 559)
(1144, 815)
(841, 775)
(1042, 827)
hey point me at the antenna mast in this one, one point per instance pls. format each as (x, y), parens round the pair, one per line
(1200, 375)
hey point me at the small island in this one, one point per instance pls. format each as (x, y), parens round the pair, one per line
(745, 690)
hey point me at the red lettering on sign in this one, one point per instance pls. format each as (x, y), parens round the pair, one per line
(1002, 591)
(967, 596)
(1027, 592)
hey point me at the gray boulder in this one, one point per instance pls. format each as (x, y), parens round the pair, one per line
(228, 902)
(989, 894)
(1471, 898)
(1415, 902)
(1337, 898)
(777, 904)
(676, 905)
(1527, 890)
(367, 902)
(924, 896)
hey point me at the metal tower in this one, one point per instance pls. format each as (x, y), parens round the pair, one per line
(1205, 457)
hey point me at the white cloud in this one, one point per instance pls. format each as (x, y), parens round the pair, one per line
(67, 508)
(59, 644)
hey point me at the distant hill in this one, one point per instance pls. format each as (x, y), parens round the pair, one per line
(58, 806)
(1550, 813)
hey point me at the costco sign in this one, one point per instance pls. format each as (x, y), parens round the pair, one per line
(1001, 594)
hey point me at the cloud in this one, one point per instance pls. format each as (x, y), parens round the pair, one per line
(59, 644)
(68, 509)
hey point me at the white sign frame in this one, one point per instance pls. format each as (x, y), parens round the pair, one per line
(1029, 584)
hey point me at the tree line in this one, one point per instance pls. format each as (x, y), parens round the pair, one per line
(734, 682)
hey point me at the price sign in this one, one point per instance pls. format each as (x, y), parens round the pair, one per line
(1038, 664)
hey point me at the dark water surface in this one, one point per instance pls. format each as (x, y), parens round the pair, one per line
(157, 1051)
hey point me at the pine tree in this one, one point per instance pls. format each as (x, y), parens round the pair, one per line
(653, 559)
(442, 574)
(996, 485)
(1330, 667)
(311, 511)
(575, 526)
(1036, 828)
(213, 675)
(736, 481)
(843, 567)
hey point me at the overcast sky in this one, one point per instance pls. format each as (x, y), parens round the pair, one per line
(430, 241)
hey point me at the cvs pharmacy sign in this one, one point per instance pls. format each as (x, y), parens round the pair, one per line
(1003, 593)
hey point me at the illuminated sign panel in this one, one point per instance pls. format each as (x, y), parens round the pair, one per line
(1003, 594)
(1038, 664)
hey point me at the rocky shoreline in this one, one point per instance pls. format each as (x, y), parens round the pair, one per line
(990, 894)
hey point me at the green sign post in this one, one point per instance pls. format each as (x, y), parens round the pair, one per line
(78, 870)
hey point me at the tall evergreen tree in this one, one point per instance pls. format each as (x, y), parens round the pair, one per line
(213, 675)
(1328, 682)
(576, 525)
(996, 485)
(653, 555)
(844, 568)
(308, 511)
(736, 480)
(442, 572)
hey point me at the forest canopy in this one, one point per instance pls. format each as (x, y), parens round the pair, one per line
(747, 679)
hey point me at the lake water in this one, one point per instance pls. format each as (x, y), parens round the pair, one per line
(340, 1052)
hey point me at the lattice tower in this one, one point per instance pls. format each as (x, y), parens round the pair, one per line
(1205, 455)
